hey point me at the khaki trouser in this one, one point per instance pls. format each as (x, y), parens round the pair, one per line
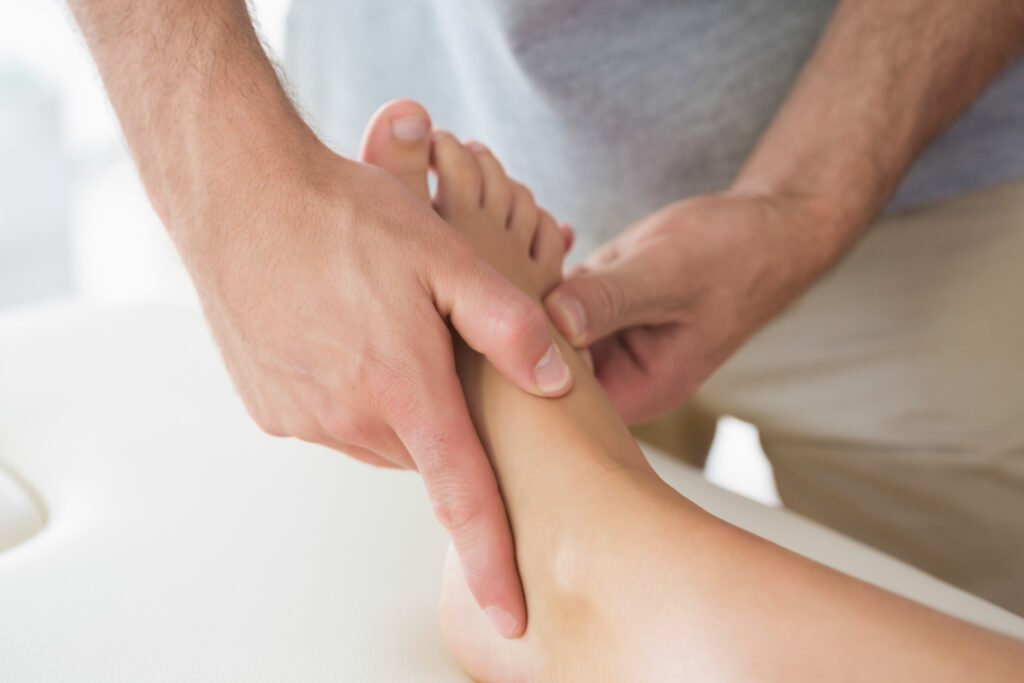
(890, 397)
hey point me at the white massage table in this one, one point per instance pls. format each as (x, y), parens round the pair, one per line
(150, 532)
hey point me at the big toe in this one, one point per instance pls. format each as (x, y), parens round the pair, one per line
(397, 139)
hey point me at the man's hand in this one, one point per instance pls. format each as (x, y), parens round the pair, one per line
(327, 283)
(328, 291)
(663, 304)
(684, 288)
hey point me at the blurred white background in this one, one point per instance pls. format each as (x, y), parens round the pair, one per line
(76, 223)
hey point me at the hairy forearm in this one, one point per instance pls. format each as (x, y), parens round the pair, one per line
(886, 77)
(196, 95)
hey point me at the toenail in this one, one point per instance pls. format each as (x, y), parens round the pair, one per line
(569, 311)
(412, 127)
(552, 372)
(502, 620)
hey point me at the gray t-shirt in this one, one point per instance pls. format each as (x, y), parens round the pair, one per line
(607, 109)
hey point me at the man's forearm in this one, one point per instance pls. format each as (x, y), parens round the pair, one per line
(886, 77)
(194, 91)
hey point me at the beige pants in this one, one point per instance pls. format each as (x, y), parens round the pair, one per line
(890, 397)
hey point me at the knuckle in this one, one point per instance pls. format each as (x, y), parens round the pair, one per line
(271, 428)
(268, 424)
(454, 263)
(455, 510)
(391, 391)
(303, 428)
(520, 322)
(336, 425)
(431, 451)
(345, 425)
(461, 256)
(262, 419)
(403, 401)
(265, 422)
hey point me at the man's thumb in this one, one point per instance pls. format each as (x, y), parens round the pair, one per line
(591, 306)
(499, 320)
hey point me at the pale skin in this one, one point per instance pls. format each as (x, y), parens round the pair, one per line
(625, 579)
(288, 243)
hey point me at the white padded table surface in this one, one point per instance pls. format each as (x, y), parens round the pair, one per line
(150, 532)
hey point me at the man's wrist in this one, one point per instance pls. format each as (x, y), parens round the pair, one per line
(808, 231)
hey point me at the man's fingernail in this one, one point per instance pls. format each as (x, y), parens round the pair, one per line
(572, 315)
(412, 127)
(552, 372)
(502, 620)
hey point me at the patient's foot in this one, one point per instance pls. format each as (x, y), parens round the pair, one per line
(501, 220)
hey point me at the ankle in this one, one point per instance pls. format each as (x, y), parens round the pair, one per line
(572, 633)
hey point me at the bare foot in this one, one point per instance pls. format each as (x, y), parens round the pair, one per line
(501, 220)
(497, 215)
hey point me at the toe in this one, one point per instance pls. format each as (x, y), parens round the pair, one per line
(568, 237)
(496, 188)
(397, 140)
(548, 244)
(522, 220)
(459, 181)
(548, 251)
